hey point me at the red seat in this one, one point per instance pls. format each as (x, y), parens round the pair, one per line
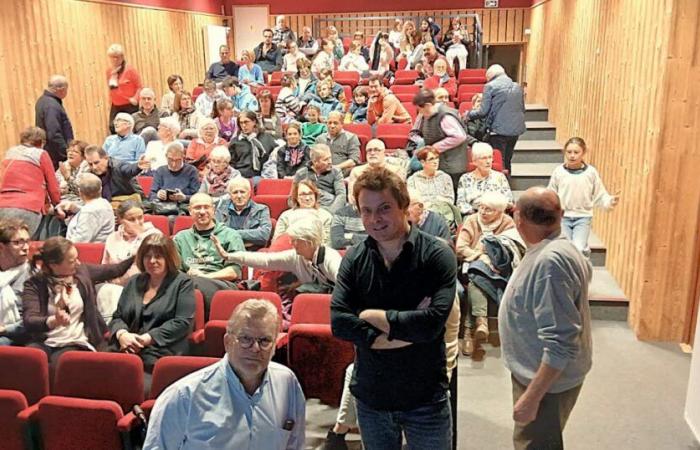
(225, 301)
(26, 370)
(464, 108)
(169, 369)
(467, 91)
(350, 78)
(197, 336)
(347, 92)
(269, 186)
(182, 223)
(145, 183)
(392, 129)
(347, 40)
(497, 162)
(90, 252)
(406, 92)
(405, 77)
(363, 131)
(276, 203)
(276, 77)
(319, 360)
(274, 91)
(412, 110)
(472, 76)
(160, 222)
(311, 309)
(214, 332)
(11, 427)
(196, 92)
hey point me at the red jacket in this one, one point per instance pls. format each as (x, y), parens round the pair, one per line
(434, 82)
(27, 178)
(129, 85)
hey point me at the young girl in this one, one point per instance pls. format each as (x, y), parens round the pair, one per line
(267, 118)
(580, 189)
(287, 105)
(358, 110)
(223, 116)
(313, 128)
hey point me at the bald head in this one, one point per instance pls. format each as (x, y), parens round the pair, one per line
(540, 206)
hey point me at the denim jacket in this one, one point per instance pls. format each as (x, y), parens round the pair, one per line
(253, 224)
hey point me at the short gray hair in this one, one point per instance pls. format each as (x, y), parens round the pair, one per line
(494, 200)
(220, 151)
(238, 181)
(57, 82)
(175, 147)
(253, 308)
(481, 149)
(125, 117)
(147, 90)
(203, 123)
(171, 124)
(308, 229)
(90, 185)
(318, 151)
(494, 71)
(336, 113)
(115, 49)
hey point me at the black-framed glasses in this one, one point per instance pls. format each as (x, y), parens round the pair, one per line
(265, 343)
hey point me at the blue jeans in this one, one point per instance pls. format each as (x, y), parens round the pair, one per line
(425, 427)
(577, 229)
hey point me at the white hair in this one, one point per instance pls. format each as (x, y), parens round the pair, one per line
(308, 229)
(125, 117)
(220, 151)
(115, 49)
(481, 149)
(377, 141)
(203, 123)
(57, 82)
(171, 124)
(318, 151)
(89, 185)
(494, 200)
(415, 196)
(494, 71)
(146, 91)
(238, 182)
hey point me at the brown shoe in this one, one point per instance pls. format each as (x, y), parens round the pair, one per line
(466, 345)
(482, 329)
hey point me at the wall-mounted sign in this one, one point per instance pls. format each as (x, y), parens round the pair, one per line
(490, 3)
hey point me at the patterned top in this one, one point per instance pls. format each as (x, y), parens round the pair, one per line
(437, 188)
(471, 188)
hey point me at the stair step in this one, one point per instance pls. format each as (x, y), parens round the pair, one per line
(539, 130)
(604, 288)
(535, 111)
(537, 152)
(526, 175)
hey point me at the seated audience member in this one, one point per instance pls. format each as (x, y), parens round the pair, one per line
(252, 147)
(175, 85)
(456, 52)
(347, 228)
(206, 100)
(94, 220)
(168, 131)
(483, 179)
(292, 57)
(408, 43)
(294, 154)
(442, 97)
(118, 177)
(427, 221)
(70, 170)
(120, 245)
(287, 106)
(268, 120)
(456, 26)
(353, 60)
(174, 183)
(267, 55)
(476, 127)
(358, 109)
(124, 145)
(324, 58)
(358, 37)
(376, 157)
(242, 98)
(490, 220)
(424, 60)
(239, 212)
(312, 129)
(58, 302)
(223, 115)
(14, 271)
(222, 68)
(305, 204)
(325, 101)
(147, 118)
(304, 78)
(187, 115)
(441, 79)
(314, 264)
(218, 173)
(395, 34)
(329, 180)
(199, 149)
(344, 145)
(198, 256)
(250, 74)
(243, 379)
(308, 45)
(383, 106)
(434, 185)
(156, 308)
(334, 37)
(325, 76)
(381, 54)
(282, 33)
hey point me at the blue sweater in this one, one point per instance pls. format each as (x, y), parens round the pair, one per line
(186, 179)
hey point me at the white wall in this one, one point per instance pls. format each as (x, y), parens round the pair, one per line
(692, 402)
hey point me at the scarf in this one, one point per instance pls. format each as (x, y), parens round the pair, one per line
(217, 182)
(9, 302)
(294, 155)
(258, 150)
(487, 229)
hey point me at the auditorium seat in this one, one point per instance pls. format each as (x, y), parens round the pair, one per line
(182, 223)
(412, 110)
(145, 183)
(271, 186)
(467, 91)
(405, 77)
(497, 162)
(364, 134)
(472, 76)
(196, 92)
(311, 309)
(464, 107)
(277, 203)
(29, 374)
(160, 222)
(406, 92)
(274, 91)
(12, 429)
(276, 77)
(394, 135)
(197, 336)
(347, 92)
(350, 78)
(169, 369)
(90, 252)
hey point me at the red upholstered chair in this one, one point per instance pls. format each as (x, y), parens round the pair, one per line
(405, 76)
(467, 91)
(311, 309)
(364, 134)
(26, 370)
(274, 91)
(464, 108)
(472, 76)
(214, 331)
(347, 92)
(497, 162)
(196, 92)
(12, 429)
(412, 110)
(90, 252)
(393, 129)
(276, 77)
(197, 336)
(319, 361)
(145, 183)
(182, 223)
(100, 376)
(405, 89)
(276, 203)
(160, 222)
(225, 301)
(349, 78)
(269, 186)
(77, 423)
(169, 369)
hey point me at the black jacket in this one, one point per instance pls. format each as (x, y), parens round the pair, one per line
(242, 154)
(51, 116)
(120, 179)
(272, 61)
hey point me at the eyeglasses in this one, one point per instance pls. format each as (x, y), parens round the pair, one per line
(265, 343)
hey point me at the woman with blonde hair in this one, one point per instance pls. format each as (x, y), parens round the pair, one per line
(124, 85)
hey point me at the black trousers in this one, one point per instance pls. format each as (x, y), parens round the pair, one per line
(506, 144)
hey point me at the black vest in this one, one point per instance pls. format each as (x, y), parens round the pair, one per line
(454, 160)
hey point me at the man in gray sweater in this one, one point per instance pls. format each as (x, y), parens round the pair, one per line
(545, 324)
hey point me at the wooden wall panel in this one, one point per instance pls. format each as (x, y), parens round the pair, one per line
(621, 74)
(501, 26)
(42, 37)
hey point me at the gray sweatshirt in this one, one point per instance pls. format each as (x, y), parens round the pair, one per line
(544, 316)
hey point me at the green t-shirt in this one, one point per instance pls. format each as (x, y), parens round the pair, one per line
(197, 250)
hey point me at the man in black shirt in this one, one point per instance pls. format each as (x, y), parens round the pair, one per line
(392, 297)
(224, 68)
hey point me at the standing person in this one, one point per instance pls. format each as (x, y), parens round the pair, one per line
(392, 298)
(503, 106)
(544, 323)
(258, 404)
(14, 271)
(580, 189)
(124, 84)
(223, 68)
(51, 116)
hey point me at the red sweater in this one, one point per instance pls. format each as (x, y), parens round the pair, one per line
(28, 178)
(129, 85)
